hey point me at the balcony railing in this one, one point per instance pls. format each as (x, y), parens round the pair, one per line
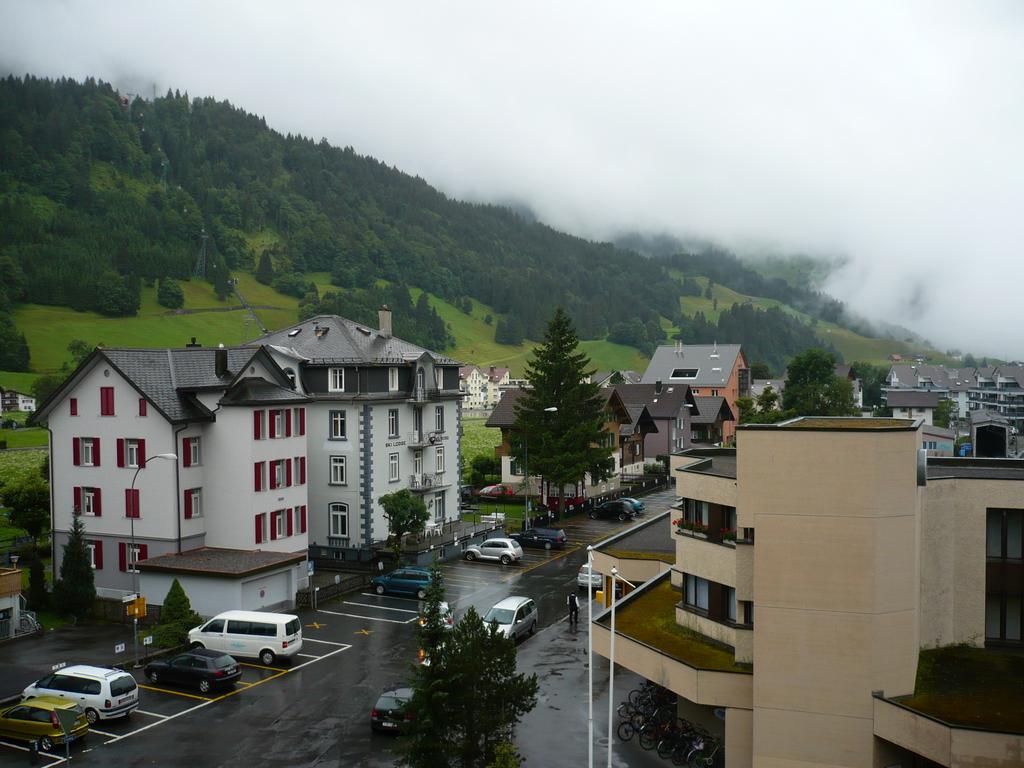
(422, 438)
(427, 481)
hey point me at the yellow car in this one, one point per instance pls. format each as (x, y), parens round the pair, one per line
(35, 718)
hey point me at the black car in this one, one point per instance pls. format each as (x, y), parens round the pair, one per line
(202, 668)
(543, 538)
(388, 714)
(619, 510)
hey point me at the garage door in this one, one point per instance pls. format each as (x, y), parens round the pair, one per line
(266, 591)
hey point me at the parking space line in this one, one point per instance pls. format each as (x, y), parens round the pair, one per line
(393, 597)
(325, 642)
(151, 714)
(308, 655)
(368, 618)
(260, 666)
(101, 733)
(175, 693)
(56, 759)
(242, 682)
(379, 607)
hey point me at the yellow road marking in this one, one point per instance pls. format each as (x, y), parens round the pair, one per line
(175, 693)
(236, 691)
(242, 682)
(316, 625)
(260, 666)
(363, 632)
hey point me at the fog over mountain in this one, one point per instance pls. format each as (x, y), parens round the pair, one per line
(885, 133)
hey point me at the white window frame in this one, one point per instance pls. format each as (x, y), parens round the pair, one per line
(297, 519)
(88, 501)
(338, 418)
(282, 523)
(439, 506)
(338, 470)
(337, 511)
(131, 453)
(86, 445)
(132, 553)
(279, 423)
(264, 528)
(280, 473)
(392, 379)
(195, 454)
(439, 460)
(197, 502)
(730, 603)
(392, 422)
(417, 462)
(90, 547)
(335, 379)
(394, 470)
(439, 418)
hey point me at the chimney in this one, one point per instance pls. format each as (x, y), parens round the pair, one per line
(657, 387)
(220, 361)
(193, 343)
(384, 316)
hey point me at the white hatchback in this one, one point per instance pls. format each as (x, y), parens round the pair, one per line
(103, 693)
(585, 577)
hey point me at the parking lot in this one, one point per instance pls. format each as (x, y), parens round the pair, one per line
(315, 709)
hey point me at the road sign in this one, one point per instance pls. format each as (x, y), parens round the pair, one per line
(129, 598)
(137, 608)
(147, 640)
(119, 648)
(309, 567)
(59, 665)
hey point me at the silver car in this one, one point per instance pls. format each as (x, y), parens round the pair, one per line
(515, 616)
(505, 551)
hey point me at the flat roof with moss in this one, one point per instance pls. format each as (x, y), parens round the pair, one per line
(650, 618)
(840, 423)
(632, 554)
(974, 687)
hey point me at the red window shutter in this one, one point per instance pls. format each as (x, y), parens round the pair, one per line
(142, 453)
(98, 554)
(302, 421)
(257, 476)
(97, 502)
(272, 424)
(143, 552)
(302, 470)
(288, 514)
(76, 452)
(122, 555)
(128, 502)
(78, 500)
(142, 406)
(257, 425)
(259, 529)
(95, 451)
(120, 451)
(287, 422)
(73, 403)
(106, 401)
(188, 504)
(273, 475)
(287, 472)
(186, 451)
(302, 519)
(273, 526)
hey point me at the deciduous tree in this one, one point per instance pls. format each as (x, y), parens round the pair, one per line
(813, 389)
(405, 514)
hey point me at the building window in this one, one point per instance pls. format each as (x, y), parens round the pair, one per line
(89, 452)
(337, 425)
(1004, 599)
(299, 513)
(131, 453)
(194, 455)
(392, 422)
(193, 502)
(439, 506)
(142, 406)
(392, 379)
(339, 470)
(261, 528)
(417, 463)
(336, 380)
(439, 418)
(134, 553)
(95, 550)
(277, 524)
(338, 516)
(106, 401)
(730, 603)
(73, 405)
(279, 474)
(277, 424)
(439, 460)
(696, 592)
(90, 501)
(393, 467)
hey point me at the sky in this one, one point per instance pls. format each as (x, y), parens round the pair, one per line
(888, 134)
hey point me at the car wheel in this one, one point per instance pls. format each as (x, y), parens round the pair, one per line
(267, 657)
(547, 545)
(196, 646)
(622, 518)
(533, 628)
(379, 589)
(204, 686)
(92, 716)
(152, 675)
(470, 556)
(505, 559)
(46, 744)
(593, 515)
(421, 594)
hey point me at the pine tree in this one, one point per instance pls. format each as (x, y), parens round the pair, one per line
(564, 445)
(75, 592)
(176, 618)
(265, 269)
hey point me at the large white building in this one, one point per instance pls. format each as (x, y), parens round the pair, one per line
(482, 387)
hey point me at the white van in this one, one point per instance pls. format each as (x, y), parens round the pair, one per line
(102, 692)
(255, 634)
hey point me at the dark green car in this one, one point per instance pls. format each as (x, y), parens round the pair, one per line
(403, 581)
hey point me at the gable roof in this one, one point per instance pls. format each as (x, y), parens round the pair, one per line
(712, 364)
(661, 405)
(327, 339)
(711, 409)
(911, 398)
(504, 413)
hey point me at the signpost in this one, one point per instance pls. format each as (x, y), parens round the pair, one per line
(67, 718)
(135, 606)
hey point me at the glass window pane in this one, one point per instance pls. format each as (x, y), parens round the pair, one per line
(1013, 533)
(702, 594)
(1013, 617)
(994, 533)
(992, 608)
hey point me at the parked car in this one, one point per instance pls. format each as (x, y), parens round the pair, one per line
(496, 490)
(256, 634)
(543, 538)
(504, 551)
(638, 506)
(403, 581)
(201, 668)
(35, 719)
(585, 577)
(617, 509)
(388, 714)
(515, 616)
(102, 692)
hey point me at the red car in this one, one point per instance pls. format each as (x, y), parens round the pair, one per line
(497, 490)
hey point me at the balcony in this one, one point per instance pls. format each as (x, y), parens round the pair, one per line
(422, 438)
(428, 481)
(10, 582)
(423, 394)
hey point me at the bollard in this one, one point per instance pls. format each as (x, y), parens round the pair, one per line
(33, 752)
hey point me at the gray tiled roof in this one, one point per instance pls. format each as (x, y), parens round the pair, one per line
(254, 391)
(661, 405)
(711, 370)
(708, 410)
(504, 413)
(346, 341)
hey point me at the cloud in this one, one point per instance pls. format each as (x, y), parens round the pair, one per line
(888, 133)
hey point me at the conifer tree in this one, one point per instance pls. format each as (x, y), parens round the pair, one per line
(75, 592)
(176, 618)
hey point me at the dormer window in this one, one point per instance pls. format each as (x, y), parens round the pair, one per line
(684, 373)
(392, 379)
(336, 380)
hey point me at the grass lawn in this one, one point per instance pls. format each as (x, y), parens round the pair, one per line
(477, 440)
(13, 466)
(19, 382)
(31, 437)
(979, 687)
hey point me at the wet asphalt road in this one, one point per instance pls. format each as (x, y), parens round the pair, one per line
(315, 712)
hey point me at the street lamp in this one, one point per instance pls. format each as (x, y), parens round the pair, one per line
(611, 665)
(132, 558)
(590, 655)
(526, 471)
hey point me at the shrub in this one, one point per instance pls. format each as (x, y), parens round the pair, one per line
(176, 618)
(170, 294)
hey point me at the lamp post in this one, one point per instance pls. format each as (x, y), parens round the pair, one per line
(590, 655)
(526, 471)
(132, 559)
(611, 665)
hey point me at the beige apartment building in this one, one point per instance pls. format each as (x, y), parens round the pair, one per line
(836, 599)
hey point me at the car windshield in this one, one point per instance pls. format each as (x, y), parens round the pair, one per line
(389, 702)
(500, 615)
